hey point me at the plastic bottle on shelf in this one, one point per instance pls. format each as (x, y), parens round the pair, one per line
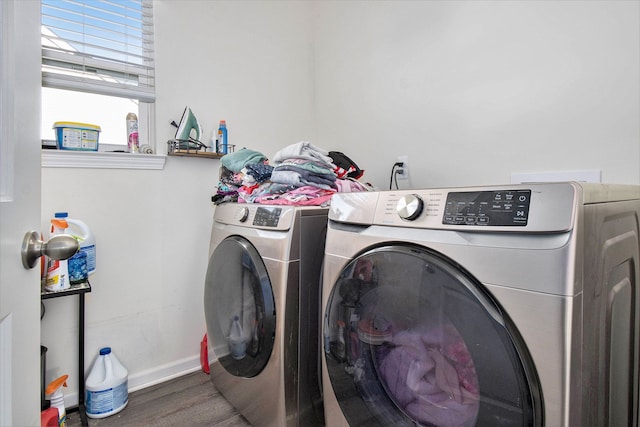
(223, 142)
(214, 141)
(57, 398)
(77, 265)
(106, 387)
(57, 275)
(237, 343)
(87, 241)
(132, 133)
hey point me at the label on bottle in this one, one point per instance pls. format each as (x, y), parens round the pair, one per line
(105, 401)
(90, 250)
(57, 279)
(77, 266)
(219, 146)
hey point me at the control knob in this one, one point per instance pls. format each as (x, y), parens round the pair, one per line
(409, 207)
(244, 214)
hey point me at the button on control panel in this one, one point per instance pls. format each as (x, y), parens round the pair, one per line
(490, 208)
(244, 214)
(409, 207)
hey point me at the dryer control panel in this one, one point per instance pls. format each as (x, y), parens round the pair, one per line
(278, 218)
(265, 217)
(498, 208)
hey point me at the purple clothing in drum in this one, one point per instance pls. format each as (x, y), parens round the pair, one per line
(430, 376)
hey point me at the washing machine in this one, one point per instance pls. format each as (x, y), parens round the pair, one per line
(511, 305)
(262, 304)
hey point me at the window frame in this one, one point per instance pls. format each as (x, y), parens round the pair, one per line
(144, 93)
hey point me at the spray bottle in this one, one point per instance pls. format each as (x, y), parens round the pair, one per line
(57, 398)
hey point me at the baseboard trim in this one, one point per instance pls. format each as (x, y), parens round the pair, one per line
(163, 373)
(150, 377)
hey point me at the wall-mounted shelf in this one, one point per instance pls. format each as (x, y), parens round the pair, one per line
(192, 148)
(195, 153)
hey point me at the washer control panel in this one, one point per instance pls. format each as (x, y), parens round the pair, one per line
(531, 207)
(497, 208)
(267, 216)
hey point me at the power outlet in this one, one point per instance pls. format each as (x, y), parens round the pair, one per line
(402, 172)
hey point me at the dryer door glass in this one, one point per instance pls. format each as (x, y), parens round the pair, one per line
(413, 339)
(239, 308)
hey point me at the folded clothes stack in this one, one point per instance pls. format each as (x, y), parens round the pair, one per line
(301, 174)
(232, 175)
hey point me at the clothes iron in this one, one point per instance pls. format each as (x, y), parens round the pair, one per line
(188, 123)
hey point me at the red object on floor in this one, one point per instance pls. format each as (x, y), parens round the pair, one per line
(49, 417)
(204, 355)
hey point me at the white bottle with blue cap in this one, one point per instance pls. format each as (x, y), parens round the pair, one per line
(106, 388)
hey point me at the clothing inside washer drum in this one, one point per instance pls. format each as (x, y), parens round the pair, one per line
(426, 368)
(430, 376)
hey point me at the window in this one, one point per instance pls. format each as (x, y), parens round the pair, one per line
(97, 66)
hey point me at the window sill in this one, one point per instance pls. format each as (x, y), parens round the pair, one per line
(101, 160)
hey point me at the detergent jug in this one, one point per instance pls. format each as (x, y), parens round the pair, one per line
(106, 386)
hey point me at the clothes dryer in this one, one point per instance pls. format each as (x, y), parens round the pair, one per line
(511, 305)
(262, 303)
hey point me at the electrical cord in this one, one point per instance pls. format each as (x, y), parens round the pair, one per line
(394, 174)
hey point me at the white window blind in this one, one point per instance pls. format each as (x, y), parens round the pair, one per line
(99, 46)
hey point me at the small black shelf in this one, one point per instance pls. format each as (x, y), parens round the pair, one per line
(80, 290)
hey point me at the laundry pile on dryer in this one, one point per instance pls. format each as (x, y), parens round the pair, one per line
(301, 174)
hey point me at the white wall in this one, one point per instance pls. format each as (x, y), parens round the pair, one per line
(471, 91)
(247, 62)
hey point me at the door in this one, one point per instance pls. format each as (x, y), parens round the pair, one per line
(411, 338)
(19, 211)
(239, 308)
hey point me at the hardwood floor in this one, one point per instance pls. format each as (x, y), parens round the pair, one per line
(190, 400)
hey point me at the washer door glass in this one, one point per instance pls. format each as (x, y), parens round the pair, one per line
(413, 339)
(239, 308)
